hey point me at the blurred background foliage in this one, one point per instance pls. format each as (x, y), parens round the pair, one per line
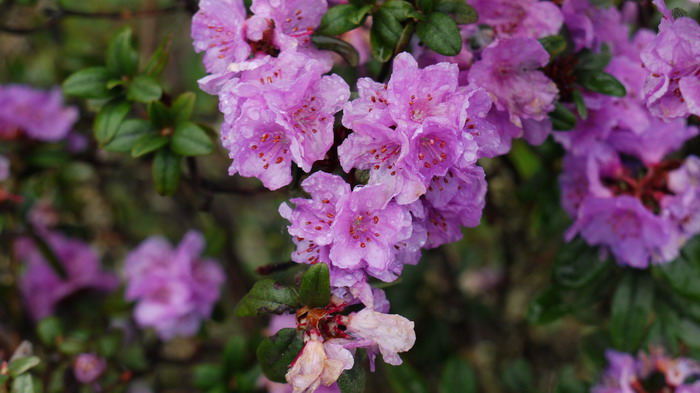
(489, 316)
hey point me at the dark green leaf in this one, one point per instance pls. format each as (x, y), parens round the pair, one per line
(405, 379)
(353, 380)
(405, 38)
(122, 58)
(689, 333)
(72, 346)
(384, 34)
(425, 5)
(679, 13)
(22, 365)
(580, 104)
(159, 115)
(359, 16)
(166, 172)
(457, 377)
(547, 307)
(191, 140)
(276, 353)
(562, 118)
(49, 329)
(517, 376)
(144, 89)
(183, 107)
(156, 64)
(338, 20)
(23, 384)
(462, 12)
(148, 143)
(345, 50)
(601, 82)
(267, 296)
(127, 135)
(400, 10)
(109, 119)
(554, 44)
(577, 264)
(631, 306)
(89, 83)
(593, 61)
(235, 354)
(440, 33)
(568, 383)
(205, 376)
(683, 275)
(315, 287)
(49, 255)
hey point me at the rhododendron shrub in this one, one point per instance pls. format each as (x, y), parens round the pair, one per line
(350, 196)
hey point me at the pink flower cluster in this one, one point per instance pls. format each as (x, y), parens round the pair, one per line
(174, 289)
(34, 113)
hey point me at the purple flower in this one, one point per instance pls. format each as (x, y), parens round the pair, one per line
(591, 26)
(218, 29)
(87, 367)
(628, 374)
(174, 288)
(413, 128)
(39, 114)
(360, 230)
(672, 88)
(633, 233)
(452, 201)
(281, 112)
(43, 288)
(519, 18)
(509, 70)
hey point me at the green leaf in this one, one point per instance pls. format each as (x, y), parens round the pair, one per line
(23, 384)
(457, 377)
(22, 365)
(601, 82)
(166, 172)
(462, 12)
(276, 353)
(683, 275)
(144, 89)
(122, 58)
(235, 354)
(405, 38)
(358, 17)
(562, 118)
(147, 144)
(547, 307)
(345, 50)
(48, 330)
(109, 119)
(206, 376)
(315, 287)
(517, 376)
(72, 346)
(159, 59)
(689, 333)
(384, 34)
(554, 44)
(267, 296)
(405, 379)
(89, 83)
(353, 380)
(577, 264)
(580, 104)
(679, 13)
(593, 61)
(569, 383)
(127, 135)
(425, 5)
(440, 33)
(190, 139)
(400, 10)
(159, 115)
(338, 20)
(631, 305)
(182, 108)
